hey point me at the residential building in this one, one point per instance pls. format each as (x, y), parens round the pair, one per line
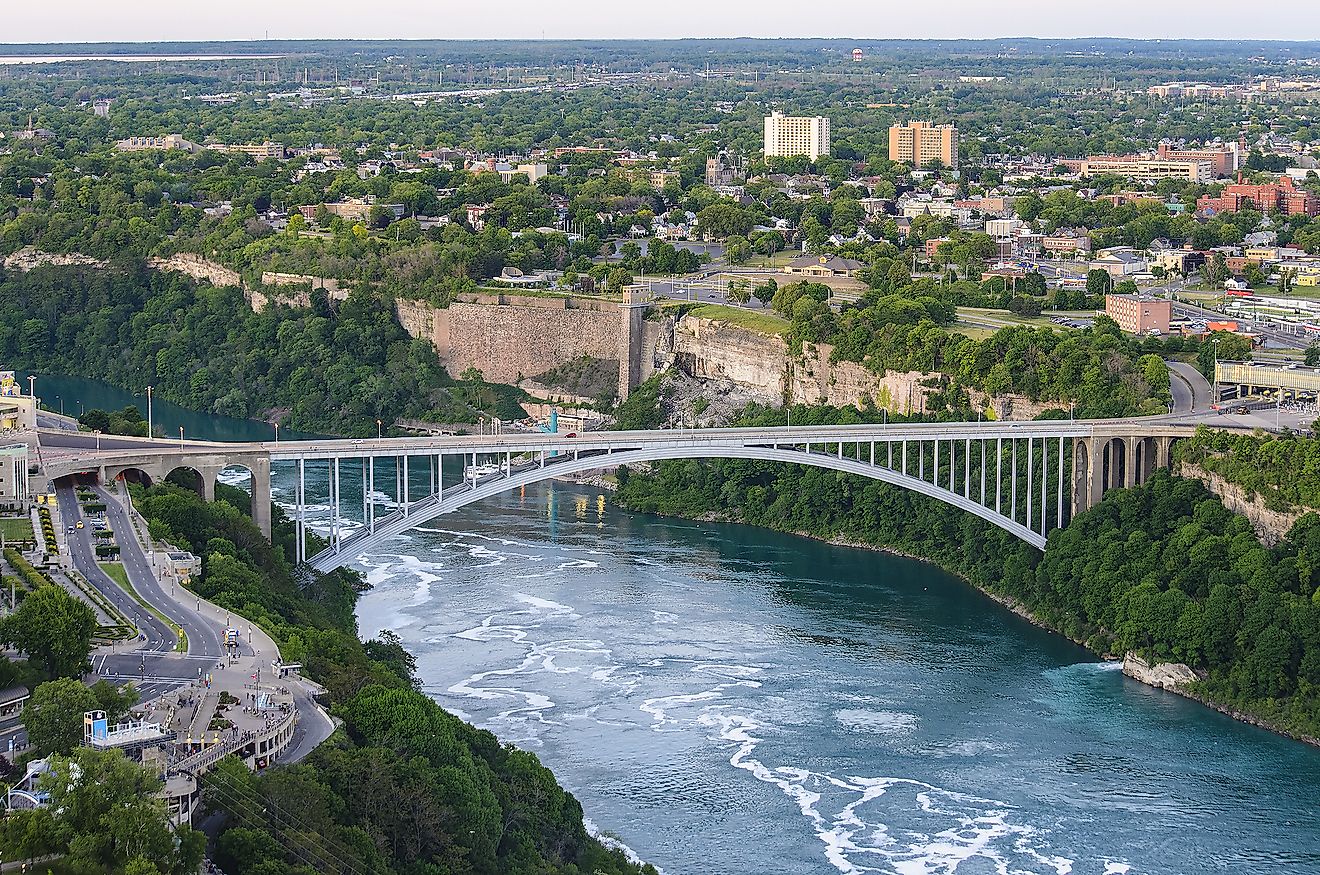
(143, 144)
(1139, 314)
(824, 266)
(1146, 169)
(787, 136)
(922, 143)
(1281, 197)
(101, 108)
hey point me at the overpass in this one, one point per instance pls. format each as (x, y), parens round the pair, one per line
(1028, 478)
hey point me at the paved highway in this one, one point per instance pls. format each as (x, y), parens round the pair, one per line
(204, 633)
(155, 634)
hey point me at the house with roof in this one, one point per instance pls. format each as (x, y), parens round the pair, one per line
(824, 266)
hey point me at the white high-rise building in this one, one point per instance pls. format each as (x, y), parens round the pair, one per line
(788, 135)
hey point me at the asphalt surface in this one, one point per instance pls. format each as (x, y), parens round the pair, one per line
(205, 635)
(1191, 390)
(155, 634)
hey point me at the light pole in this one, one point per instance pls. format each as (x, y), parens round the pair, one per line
(378, 429)
(1214, 398)
(150, 431)
(61, 400)
(32, 385)
(1072, 407)
(98, 440)
(277, 434)
(181, 439)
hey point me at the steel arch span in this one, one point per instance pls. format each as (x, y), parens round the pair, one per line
(453, 498)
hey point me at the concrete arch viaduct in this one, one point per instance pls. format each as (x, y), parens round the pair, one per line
(1028, 478)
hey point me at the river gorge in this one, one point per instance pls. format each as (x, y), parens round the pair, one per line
(726, 699)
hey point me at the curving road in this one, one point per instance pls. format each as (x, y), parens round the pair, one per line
(1191, 390)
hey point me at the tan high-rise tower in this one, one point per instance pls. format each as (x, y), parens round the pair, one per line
(921, 143)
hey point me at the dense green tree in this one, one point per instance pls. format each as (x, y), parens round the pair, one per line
(53, 629)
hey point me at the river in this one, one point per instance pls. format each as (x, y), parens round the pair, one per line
(730, 700)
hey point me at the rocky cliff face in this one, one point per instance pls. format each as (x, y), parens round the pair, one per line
(762, 366)
(508, 339)
(1166, 675)
(1271, 526)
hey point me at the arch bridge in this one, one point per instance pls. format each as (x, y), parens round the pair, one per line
(1028, 478)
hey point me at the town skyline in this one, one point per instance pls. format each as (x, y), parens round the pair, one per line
(152, 20)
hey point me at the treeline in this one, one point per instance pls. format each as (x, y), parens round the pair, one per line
(313, 369)
(1283, 469)
(404, 787)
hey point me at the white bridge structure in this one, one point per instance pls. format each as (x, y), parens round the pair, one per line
(1028, 478)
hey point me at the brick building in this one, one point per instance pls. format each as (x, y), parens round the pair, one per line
(1282, 197)
(1139, 314)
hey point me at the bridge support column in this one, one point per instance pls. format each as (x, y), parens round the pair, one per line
(1130, 446)
(260, 468)
(1092, 480)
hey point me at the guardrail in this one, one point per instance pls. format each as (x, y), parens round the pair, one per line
(199, 762)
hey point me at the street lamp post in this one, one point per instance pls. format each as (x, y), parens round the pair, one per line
(181, 439)
(277, 433)
(150, 431)
(1214, 399)
(378, 424)
(98, 440)
(61, 400)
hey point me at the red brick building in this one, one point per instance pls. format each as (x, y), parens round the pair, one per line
(1283, 197)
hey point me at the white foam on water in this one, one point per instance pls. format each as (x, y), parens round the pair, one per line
(1114, 868)
(613, 842)
(879, 722)
(865, 824)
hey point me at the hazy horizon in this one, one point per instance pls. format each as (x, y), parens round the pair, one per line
(91, 21)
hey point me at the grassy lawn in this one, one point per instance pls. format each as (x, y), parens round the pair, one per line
(116, 572)
(975, 332)
(760, 321)
(1006, 318)
(17, 528)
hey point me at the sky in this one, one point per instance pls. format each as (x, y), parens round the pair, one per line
(150, 20)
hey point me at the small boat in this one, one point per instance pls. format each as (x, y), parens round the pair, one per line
(477, 472)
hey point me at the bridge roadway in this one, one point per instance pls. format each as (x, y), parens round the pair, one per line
(1104, 454)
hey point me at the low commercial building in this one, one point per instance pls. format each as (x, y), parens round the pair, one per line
(1119, 262)
(1066, 244)
(14, 477)
(1147, 169)
(144, 144)
(824, 266)
(1139, 314)
(18, 412)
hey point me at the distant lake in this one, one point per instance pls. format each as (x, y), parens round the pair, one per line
(63, 59)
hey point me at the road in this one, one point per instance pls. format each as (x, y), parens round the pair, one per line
(1191, 390)
(155, 634)
(205, 634)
